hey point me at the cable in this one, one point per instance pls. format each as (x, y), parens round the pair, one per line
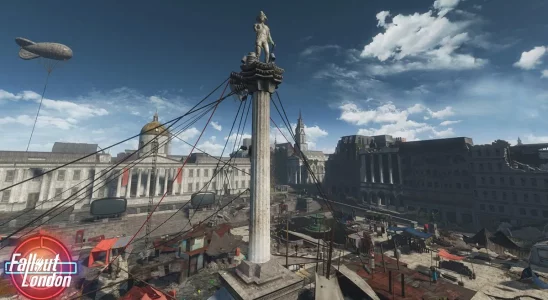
(81, 182)
(69, 199)
(178, 174)
(135, 162)
(38, 112)
(192, 110)
(82, 189)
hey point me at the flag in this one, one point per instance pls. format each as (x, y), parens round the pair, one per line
(180, 175)
(125, 177)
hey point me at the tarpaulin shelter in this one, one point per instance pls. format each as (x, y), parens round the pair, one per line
(443, 253)
(100, 254)
(417, 234)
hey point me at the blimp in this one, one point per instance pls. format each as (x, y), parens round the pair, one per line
(31, 50)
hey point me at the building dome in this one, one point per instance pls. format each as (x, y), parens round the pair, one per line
(155, 127)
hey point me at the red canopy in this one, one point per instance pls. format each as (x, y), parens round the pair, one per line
(443, 253)
(104, 245)
(144, 293)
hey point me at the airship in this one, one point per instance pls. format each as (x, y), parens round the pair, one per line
(31, 50)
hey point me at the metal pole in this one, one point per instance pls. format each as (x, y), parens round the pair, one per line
(287, 241)
(382, 256)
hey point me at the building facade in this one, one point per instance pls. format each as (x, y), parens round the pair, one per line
(98, 176)
(511, 184)
(289, 160)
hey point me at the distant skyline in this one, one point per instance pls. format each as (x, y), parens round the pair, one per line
(413, 69)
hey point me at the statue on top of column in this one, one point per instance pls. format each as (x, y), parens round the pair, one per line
(263, 37)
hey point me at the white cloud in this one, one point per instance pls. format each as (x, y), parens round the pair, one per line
(535, 139)
(216, 126)
(427, 41)
(544, 73)
(188, 134)
(334, 71)
(447, 123)
(417, 108)
(237, 137)
(386, 113)
(530, 59)
(212, 148)
(213, 138)
(381, 17)
(443, 133)
(316, 49)
(442, 114)
(43, 121)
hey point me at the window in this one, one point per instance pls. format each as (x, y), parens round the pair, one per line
(436, 184)
(206, 172)
(536, 198)
(522, 211)
(479, 152)
(503, 195)
(533, 182)
(429, 184)
(466, 185)
(61, 175)
(58, 193)
(483, 180)
(485, 194)
(522, 181)
(191, 173)
(534, 212)
(36, 174)
(204, 186)
(487, 152)
(198, 173)
(76, 175)
(101, 193)
(243, 184)
(501, 209)
(197, 186)
(512, 182)
(502, 180)
(74, 191)
(475, 193)
(214, 185)
(189, 187)
(482, 206)
(526, 197)
(458, 185)
(6, 195)
(10, 175)
(481, 167)
(491, 207)
(494, 195)
(490, 167)
(514, 197)
(497, 152)
(236, 184)
(236, 172)
(499, 166)
(491, 180)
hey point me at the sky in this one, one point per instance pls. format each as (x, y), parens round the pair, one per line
(413, 69)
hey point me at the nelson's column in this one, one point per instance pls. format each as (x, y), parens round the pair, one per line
(259, 277)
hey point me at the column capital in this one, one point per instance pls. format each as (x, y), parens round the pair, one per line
(256, 76)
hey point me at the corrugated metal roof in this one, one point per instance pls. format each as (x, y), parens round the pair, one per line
(74, 148)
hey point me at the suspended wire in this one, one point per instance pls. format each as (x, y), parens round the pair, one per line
(192, 110)
(111, 168)
(150, 152)
(39, 107)
(178, 174)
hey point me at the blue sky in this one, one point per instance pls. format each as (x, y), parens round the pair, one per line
(416, 69)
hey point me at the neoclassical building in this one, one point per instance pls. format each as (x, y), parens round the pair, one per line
(289, 163)
(131, 179)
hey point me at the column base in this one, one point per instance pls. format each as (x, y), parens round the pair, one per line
(255, 281)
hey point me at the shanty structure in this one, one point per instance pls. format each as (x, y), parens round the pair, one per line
(145, 293)
(105, 250)
(539, 254)
(499, 242)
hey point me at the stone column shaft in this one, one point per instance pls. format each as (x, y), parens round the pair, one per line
(363, 169)
(96, 186)
(259, 229)
(147, 191)
(372, 157)
(166, 176)
(399, 170)
(43, 188)
(138, 193)
(181, 189)
(157, 183)
(381, 171)
(173, 181)
(119, 186)
(391, 178)
(128, 186)
(51, 190)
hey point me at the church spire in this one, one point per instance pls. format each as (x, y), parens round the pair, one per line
(155, 118)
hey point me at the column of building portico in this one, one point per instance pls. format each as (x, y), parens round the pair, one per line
(157, 183)
(128, 186)
(166, 177)
(147, 188)
(51, 189)
(391, 178)
(181, 190)
(399, 170)
(44, 183)
(172, 180)
(138, 192)
(95, 185)
(372, 159)
(381, 166)
(364, 168)
(119, 184)
(66, 187)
